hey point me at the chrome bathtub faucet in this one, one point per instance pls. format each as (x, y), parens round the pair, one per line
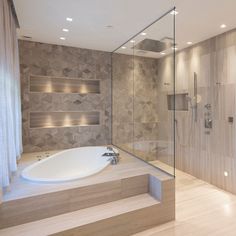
(47, 154)
(114, 160)
(114, 157)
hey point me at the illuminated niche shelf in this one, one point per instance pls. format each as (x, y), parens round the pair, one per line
(63, 119)
(46, 84)
(179, 102)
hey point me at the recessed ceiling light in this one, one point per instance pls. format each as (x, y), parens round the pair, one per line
(226, 173)
(174, 12)
(62, 38)
(65, 30)
(163, 53)
(123, 47)
(174, 48)
(189, 43)
(69, 19)
(143, 33)
(132, 41)
(223, 26)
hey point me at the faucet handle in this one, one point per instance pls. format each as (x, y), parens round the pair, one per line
(109, 148)
(113, 160)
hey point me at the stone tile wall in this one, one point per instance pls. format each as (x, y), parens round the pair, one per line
(60, 61)
(135, 114)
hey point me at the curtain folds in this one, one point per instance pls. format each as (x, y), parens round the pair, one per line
(10, 103)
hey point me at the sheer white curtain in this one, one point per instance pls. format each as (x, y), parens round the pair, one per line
(10, 103)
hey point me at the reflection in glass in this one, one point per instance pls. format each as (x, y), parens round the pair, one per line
(142, 81)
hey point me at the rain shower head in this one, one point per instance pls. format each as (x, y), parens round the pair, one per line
(152, 45)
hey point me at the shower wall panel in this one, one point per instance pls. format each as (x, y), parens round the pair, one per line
(135, 103)
(208, 154)
(122, 101)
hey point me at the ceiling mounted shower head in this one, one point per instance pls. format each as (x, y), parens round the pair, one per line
(152, 45)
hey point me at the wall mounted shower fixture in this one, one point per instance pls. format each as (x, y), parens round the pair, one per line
(195, 95)
(208, 116)
(230, 119)
(195, 99)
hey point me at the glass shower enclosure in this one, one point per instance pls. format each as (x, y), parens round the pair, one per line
(143, 94)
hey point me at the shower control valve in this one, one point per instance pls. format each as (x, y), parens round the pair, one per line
(208, 123)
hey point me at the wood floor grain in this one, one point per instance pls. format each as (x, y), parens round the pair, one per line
(201, 210)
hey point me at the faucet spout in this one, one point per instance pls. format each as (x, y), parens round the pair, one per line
(114, 156)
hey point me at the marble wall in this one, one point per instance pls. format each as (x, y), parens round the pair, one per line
(134, 103)
(136, 118)
(122, 101)
(202, 152)
(60, 61)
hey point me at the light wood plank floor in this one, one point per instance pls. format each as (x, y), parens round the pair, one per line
(201, 210)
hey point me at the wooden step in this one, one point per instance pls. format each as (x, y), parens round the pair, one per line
(121, 217)
(124, 208)
(42, 206)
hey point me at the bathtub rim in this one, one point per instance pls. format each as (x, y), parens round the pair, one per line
(66, 179)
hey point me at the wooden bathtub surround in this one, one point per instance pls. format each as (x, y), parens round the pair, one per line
(46, 205)
(121, 200)
(121, 207)
(138, 219)
(28, 209)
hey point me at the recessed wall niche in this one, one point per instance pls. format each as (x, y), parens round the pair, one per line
(46, 84)
(179, 102)
(63, 119)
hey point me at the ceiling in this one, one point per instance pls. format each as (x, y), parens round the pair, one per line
(106, 24)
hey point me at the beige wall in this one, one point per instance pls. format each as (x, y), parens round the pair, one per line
(59, 61)
(207, 153)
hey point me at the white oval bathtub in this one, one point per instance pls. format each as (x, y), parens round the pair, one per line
(68, 165)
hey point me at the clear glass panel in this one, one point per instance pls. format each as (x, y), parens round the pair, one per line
(122, 99)
(144, 94)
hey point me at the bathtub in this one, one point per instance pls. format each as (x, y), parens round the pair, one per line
(68, 165)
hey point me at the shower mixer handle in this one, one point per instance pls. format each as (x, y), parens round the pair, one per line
(208, 106)
(208, 123)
